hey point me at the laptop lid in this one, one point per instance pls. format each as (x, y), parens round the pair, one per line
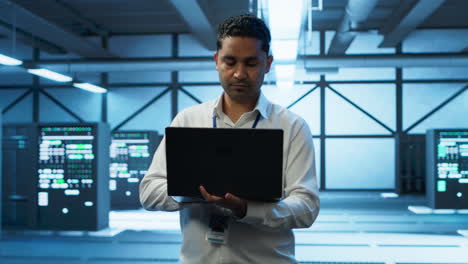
(245, 162)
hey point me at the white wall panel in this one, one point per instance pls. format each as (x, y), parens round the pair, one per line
(21, 113)
(421, 98)
(436, 40)
(122, 102)
(155, 117)
(433, 73)
(379, 100)
(190, 47)
(367, 163)
(199, 76)
(342, 118)
(141, 46)
(140, 77)
(85, 104)
(49, 112)
(15, 78)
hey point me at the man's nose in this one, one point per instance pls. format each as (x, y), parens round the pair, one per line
(240, 72)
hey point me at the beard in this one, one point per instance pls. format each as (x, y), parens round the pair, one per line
(241, 92)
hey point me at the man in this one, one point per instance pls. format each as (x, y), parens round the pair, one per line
(249, 231)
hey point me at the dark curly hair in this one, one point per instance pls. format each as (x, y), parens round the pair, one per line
(246, 25)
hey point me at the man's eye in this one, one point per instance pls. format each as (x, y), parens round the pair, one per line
(229, 62)
(251, 63)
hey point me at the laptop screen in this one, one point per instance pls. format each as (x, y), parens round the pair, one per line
(245, 162)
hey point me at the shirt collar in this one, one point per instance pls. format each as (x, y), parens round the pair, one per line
(263, 106)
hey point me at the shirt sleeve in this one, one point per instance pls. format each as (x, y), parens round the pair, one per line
(300, 206)
(153, 186)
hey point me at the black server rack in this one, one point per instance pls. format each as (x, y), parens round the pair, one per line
(447, 168)
(19, 210)
(1, 149)
(131, 155)
(73, 176)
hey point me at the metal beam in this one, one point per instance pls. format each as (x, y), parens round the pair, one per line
(399, 134)
(36, 87)
(398, 30)
(16, 101)
(38, 26)
(361, 109)
(302, 97)
(141, 109)
(62, 106)
(197, 20)
(388, 61)
(202, 84)
(207, 63)
(28, 39)
(356, 13)
(189, 94)
(437, 108)
(78, 16)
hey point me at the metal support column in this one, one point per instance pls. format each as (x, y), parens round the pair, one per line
(36, 89)
(174, 93)
(174, 77)
(399, 125)
(323, 86)
(104, 76)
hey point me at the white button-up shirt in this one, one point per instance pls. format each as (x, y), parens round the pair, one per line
(265, 234)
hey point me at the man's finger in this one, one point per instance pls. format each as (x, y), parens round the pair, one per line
(233, 201)
(204, 193)
(231, 198)
(209, 197)
(236, 203)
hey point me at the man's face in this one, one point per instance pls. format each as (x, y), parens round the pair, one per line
(242, 64)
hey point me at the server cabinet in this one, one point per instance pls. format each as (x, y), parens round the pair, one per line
(73, 176)
(447, 168)
(131, 155)
(19, 169)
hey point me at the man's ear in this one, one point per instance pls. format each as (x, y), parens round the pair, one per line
(215, 57)
(268, 64)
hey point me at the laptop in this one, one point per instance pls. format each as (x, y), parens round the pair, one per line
(245, 162)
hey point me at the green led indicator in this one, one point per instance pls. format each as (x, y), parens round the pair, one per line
(441, 186)
(441, 151)
(60, 180)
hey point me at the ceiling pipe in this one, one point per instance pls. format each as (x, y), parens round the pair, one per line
(356, 13)
(36, 25)
(388, 61)
(207, 63)
(129, 65)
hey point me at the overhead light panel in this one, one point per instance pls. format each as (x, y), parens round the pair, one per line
(285, 75)
(50, 75)
(9, 61)
(285, 18)
(285, 38)
(285, 72)
(285, 51)
(90, 87)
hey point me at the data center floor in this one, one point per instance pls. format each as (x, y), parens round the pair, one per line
(353, 227)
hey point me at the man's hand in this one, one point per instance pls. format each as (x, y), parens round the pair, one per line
(237, 205)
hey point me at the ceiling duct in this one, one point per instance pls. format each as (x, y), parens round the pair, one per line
(207, 63)
(35, 25)
(356, 13)
(188, 64)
